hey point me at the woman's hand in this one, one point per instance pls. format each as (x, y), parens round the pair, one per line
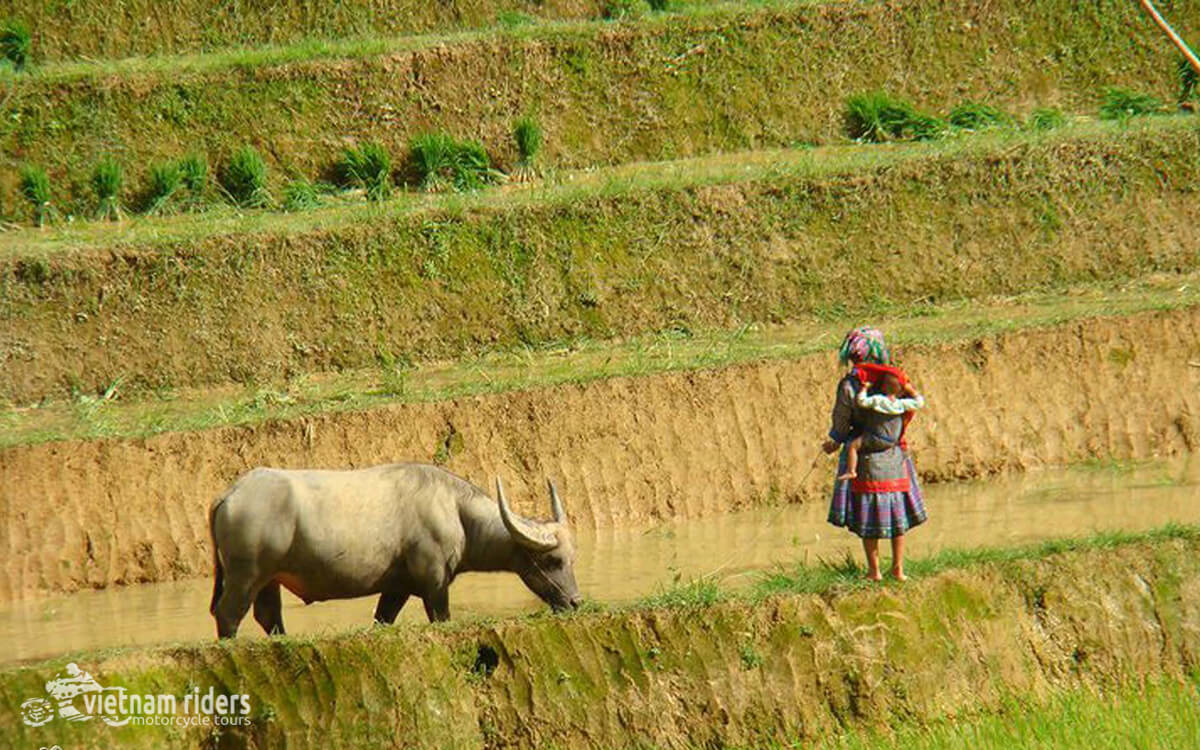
(829, 446)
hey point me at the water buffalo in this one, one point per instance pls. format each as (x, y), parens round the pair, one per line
(398, 530)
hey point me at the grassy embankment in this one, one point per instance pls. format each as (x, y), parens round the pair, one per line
(837, 233)
(811, 655)
(131, 416)
(717, 79)
(90, 29)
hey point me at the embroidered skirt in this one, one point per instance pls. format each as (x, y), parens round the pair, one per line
(877, 515)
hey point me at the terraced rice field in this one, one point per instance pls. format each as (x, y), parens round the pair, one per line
(650, 316)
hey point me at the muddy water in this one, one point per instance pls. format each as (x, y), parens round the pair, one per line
(622, 564)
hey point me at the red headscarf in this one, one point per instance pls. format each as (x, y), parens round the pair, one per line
(868, 373)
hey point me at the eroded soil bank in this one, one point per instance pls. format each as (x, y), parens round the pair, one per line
(91, 514)
(792, 666)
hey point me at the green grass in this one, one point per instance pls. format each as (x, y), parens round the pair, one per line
(1047, 118)
(848, 573)
(1157, 715)
(300, 195)
(35, 189)
(443, 162)
(972, 115)
(1121, 104)
(244, 179)
(368, 166)
(359, 46)
(106, 182)
(16, 44)
(696, 594)
(579, 362)
(878, 116)
(1189, 79)
(753, 90)
(568, 187)
(527, 134)
(165, 182)
(622, 10)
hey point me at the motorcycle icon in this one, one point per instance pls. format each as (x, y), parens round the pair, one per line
(64, 689)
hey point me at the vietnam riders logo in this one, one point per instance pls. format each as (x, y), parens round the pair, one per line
(63, 690)
(74, 695)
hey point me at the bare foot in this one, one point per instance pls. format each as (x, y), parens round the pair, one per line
(847, 475)
(876, 576)
(899, 575)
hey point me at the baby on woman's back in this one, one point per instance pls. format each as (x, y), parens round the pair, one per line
(893, 395)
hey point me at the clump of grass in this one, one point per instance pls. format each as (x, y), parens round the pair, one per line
(164, 183)
(527, 134)
(442, 162)
(618, 10)
(35, 188)
(244, 179)
(368, 166)
(1121, 104)
(658, 6)
(1047, 118)
(702, 592)
(1188, 79)
(972, 115)
(300, 195)
(15, 43)
(193, 171)
(106, 182)
(878, 116)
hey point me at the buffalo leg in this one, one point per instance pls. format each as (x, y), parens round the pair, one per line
(390, 604)
(437, 605)
(236, 595)
(268, 609)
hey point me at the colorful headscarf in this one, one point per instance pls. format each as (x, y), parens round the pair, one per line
(864, 345)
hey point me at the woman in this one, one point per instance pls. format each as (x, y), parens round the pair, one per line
(884, 501)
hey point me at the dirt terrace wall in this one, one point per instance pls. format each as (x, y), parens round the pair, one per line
(961, 642)
(603, 93)
(626, 450)
(254, 307)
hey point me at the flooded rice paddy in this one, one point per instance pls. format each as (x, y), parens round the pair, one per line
(619, 565)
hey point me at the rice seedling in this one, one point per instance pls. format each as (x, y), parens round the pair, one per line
(972, 115)
(1121, 104)
(15, 43)
(35, 188)
(193, 172)
(368, 166)
(1047, 118)
(878, 116)
(244, 179)
(165, 181)
(528, 136)
(300, 195)
(106, 182)
(442, 162)
(1188, 79)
